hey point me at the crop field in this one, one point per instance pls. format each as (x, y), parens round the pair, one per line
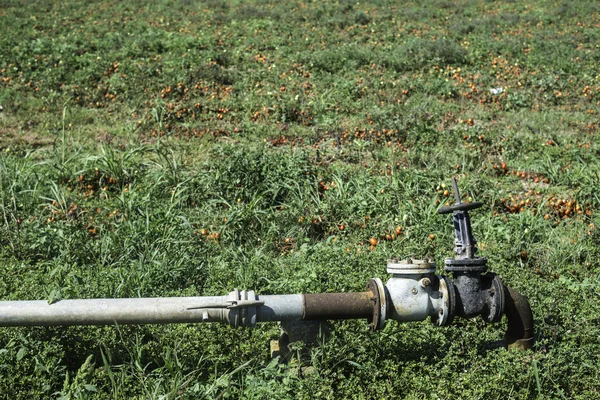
(187, 148)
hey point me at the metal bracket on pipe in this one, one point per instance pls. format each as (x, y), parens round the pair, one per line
(242, 308)
(229, 304)
(239, 309)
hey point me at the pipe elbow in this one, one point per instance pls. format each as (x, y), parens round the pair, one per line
(519, 334)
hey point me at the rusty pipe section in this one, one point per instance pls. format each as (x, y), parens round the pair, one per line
(519, 333)
(325, 306)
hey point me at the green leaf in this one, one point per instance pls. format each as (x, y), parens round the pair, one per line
(20, 353)
(354, 364)
(55, 296)
(90, 388)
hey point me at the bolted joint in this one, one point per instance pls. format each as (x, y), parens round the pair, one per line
(448, 293)
(380, 303)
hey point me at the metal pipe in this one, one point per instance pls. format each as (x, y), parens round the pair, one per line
(156, 310)
(285, 307)
(416, 298)
(338, 305)
(159, 310)
(162, 310)
(519, 333)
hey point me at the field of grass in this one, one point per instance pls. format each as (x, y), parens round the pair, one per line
(180, 148)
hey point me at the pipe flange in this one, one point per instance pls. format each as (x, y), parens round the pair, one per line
(411, 266)
(448, 309)
(375, 286)
(495, 299)
(465, 265)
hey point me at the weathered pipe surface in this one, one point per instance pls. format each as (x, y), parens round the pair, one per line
(469, 299)
(283, 307)
(519, 334)
(159, 310)
(338, 305)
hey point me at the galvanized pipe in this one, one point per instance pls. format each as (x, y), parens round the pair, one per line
(158, 310)
(284, 307)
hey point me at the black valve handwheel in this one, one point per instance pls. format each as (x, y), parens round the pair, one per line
(460, 207)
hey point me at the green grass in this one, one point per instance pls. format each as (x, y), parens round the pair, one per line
(187, 148)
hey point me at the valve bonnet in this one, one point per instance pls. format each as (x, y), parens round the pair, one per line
(411, 266)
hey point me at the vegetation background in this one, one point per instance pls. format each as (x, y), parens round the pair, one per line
(177, 148)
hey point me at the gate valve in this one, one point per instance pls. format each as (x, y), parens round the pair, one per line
(475, 293)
